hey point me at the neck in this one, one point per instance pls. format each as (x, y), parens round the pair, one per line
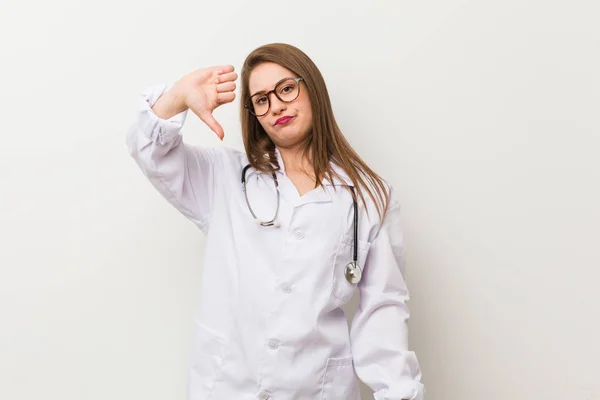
(294, 162)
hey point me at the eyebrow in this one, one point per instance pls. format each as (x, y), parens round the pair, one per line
(274, 86)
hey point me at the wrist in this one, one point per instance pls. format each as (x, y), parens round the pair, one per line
(169, 104)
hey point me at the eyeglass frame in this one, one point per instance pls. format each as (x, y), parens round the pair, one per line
(250, 108)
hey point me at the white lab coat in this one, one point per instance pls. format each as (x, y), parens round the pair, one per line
(269, 323)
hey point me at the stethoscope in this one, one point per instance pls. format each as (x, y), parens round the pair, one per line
(353, 272)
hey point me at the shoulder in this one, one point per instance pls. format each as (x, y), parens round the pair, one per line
(386, 190)
(231, 157)
(373, 207)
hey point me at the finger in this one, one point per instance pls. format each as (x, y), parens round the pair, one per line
(226, 87)
(226, 97)
(223, 69)
(212, 123)
(226, 77)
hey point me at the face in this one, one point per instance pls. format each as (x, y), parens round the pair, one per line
(286, 123)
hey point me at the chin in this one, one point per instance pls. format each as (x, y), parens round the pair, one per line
(286, 139)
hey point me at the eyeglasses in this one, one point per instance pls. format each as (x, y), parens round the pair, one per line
(286, 90)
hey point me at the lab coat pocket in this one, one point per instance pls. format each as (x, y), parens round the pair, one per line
(342, 289)
(340, 381)
(208, 356)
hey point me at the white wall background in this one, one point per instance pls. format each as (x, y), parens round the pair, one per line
(484, 115)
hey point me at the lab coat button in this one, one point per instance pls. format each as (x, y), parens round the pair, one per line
(299, 235)
(273, 345)
(287, 288)
(263, 396)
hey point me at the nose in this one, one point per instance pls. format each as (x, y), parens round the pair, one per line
(277, 106)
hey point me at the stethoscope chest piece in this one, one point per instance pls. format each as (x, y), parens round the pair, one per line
(353, 272)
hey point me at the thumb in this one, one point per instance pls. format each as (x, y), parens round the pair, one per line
(212, 123)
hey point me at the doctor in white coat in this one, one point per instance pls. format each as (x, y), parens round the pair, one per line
(295, 225)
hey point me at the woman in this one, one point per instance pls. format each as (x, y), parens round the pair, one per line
(269, 325)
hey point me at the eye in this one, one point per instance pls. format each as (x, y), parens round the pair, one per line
(287, 89)
(260, 100)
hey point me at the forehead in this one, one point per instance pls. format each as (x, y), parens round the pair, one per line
(265, 76)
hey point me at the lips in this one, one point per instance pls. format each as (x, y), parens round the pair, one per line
(283, 120)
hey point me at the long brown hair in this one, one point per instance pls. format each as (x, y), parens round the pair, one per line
(326, 141)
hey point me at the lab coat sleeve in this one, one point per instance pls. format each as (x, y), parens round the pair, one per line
(183, 174)
(379, 330)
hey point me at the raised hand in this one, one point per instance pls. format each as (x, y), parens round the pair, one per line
(202, 91)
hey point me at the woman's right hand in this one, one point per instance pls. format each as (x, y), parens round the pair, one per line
(202, 91)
